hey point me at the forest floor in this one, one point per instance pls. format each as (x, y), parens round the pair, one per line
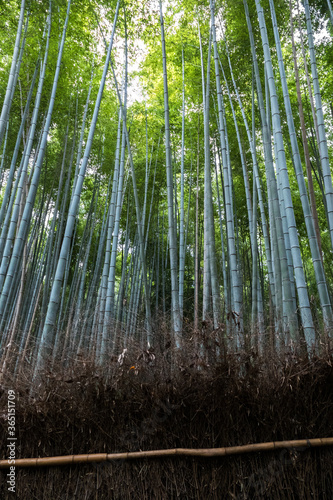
(161, 400)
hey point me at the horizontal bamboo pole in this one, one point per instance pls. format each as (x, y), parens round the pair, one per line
(209, 452)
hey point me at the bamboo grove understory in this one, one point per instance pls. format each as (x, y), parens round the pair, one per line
(164, 168)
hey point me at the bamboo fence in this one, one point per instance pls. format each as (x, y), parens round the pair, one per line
(209, 452)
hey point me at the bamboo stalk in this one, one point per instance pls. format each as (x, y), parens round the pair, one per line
(208, 452)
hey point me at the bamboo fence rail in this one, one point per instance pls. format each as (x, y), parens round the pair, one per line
(209, 452)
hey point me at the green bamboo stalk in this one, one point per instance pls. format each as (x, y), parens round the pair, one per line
(50, 321)
(182, 229)
(26, 217)
(11, 79)
(322, 143)
(236, 300)
(303, 298)
(172, 229)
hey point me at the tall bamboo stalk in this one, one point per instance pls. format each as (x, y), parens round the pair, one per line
(172, 228)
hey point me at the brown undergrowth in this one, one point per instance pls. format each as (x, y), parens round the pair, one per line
(163, 399)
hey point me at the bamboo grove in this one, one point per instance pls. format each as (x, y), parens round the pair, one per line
(164, 168)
